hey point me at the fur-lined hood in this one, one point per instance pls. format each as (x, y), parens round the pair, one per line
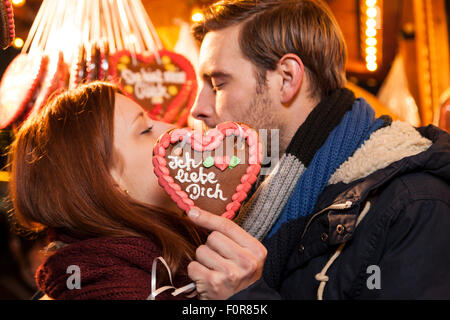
(406, 158)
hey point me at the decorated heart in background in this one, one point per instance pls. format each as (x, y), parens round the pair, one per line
(53, 81)
(20, 86)
(7, 29)
(166, 90)
(213, 171)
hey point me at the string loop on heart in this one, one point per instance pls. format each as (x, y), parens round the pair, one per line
(241, 137)
(186, 139)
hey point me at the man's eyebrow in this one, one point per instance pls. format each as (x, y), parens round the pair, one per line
(216, 74)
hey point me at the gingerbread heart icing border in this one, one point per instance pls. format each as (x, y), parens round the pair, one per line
(210, 141)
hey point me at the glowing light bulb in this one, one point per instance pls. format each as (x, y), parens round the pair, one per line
(372, 66)
(371, 12)
(371, 23)
(18, 3)
(197, 17)
(371, 58)
(371, 3)
(371, 51)
(18, 43)
(371, 42)
(370, 32)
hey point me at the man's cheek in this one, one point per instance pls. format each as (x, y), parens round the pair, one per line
(231, 110)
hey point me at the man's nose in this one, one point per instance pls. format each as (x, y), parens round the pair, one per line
(204, 105)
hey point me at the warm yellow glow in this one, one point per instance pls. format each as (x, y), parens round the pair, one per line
(371, 35)
(372, 66)
(4, 176)
(371, 42)
(371, 23)
(18, 3)
(371, 51)
(371, 58)
(371, 32)
(197, 17)
(371, 12)
(131, 39)
(66, 40)
(18, 43)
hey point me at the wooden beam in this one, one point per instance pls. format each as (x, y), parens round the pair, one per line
(432, 56)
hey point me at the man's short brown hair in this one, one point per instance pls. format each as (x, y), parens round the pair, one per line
(273, 28)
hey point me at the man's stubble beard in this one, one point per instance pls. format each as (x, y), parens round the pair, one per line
(260, 115)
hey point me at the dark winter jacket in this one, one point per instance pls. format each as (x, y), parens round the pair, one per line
(398, 250)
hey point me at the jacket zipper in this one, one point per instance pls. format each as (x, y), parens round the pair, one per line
(337, 206)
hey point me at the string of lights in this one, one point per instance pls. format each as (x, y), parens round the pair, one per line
(372, 23)
(18, 41)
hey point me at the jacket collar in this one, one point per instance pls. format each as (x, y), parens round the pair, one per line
(343, 201)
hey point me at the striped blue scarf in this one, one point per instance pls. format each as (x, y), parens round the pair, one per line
(356, 127)
(344, 139)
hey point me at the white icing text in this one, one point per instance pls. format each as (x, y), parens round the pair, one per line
(196, 180)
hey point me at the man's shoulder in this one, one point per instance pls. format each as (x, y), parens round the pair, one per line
(417, 186)
(415, 196)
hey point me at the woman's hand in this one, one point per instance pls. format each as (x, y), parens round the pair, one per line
(229, 261)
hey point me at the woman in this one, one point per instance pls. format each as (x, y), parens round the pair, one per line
(82, 168)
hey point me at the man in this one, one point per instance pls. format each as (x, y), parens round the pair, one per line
(357, 207)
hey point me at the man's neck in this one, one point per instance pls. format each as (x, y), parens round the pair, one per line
(298, 116)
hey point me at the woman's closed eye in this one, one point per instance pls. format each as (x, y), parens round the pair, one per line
(149, 129)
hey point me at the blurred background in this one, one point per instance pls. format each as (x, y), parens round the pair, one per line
(398, 49)
(398, 60)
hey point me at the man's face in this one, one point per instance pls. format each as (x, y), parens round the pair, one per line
(229, 88)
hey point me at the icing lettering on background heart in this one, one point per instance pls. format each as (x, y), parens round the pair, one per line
(165, 87)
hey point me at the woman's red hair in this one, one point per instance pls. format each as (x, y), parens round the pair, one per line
(60, 178)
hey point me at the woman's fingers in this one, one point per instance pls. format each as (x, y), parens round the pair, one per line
(223, 225)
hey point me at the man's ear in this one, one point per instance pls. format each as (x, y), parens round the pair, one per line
(292, 71)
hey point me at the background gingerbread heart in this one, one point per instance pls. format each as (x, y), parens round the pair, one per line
(213, 171)
(7, 29)
(20, 86)
(165, 87)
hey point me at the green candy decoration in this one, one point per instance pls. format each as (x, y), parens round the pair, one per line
(234, 162)
(208, 162)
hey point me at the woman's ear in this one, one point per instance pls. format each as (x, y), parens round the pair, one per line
(116, 172)
(117, 178)
(291, 69)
